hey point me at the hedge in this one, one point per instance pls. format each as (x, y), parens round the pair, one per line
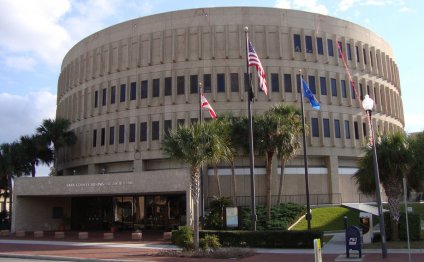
(266, 239)
(414, 226)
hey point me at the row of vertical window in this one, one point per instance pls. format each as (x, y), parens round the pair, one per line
(220, 87)
(128, 133)
(330, 48)
(337, 128)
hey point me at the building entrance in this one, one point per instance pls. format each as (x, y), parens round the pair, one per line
(156, 212)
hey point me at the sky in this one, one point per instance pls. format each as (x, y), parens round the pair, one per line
(35, 36)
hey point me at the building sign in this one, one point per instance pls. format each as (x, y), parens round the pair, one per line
(232, 216)
(99, 184)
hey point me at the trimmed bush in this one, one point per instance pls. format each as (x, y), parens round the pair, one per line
(414, 226)
(267, 239)
(282, 216)
(209, 243)
(183, 237)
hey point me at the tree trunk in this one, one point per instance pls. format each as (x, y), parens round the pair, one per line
(394, 207)
(218, 184)
(268, 184)
(234, 185)
(195, 176)
(10, 198)
(280, 189)
(33, 169)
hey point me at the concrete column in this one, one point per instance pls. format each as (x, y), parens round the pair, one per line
(333, 178)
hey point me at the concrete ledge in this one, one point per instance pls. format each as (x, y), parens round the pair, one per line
(20, 233)
(107, 236)
(167, 235)
(4, 233)
(82, 235)
(59, 234)
(136, 236)
(38, 233)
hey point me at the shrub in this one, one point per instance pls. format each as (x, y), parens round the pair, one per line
(266, 239)
(282, 216)
(209, 243)
(183, 237)
(215, 218)
(414, 226)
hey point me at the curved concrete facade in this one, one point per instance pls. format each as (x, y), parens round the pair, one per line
(125, 86)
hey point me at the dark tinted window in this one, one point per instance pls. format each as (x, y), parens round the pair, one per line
(220, 83)
(111, 135)
(275, 83)
(326, 125)
(355, 127)
(343, 87)
(349, 52)
(104, 96)
(357, 53)
(94, 137)
(133, 91)
(112, 94)
(96, 99)
(311, 80)
(315, 129)
(347, 129)
(167, 126)
(155, 130)
(143, 131)
(156, 88)
(234, 82)
(340, 44)
(330, 47)
(336, 128)
(288, 83)
(308, 42)
(365, 55)
(121, 134)
(168, 86)
(333, 87)
(102, 136)
(320, 47)
(143, 89)
(193, 84)
(180, 122)
(207, 88)
(323, 85)
(122, 93)
(297, 44)
(132, 133)
(180, 85)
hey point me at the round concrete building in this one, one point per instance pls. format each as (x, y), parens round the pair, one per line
(123, 88)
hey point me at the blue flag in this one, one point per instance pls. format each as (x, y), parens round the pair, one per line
(308, 94)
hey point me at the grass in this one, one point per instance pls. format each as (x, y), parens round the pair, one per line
(329, 219)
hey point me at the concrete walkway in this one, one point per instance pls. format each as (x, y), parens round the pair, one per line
(334, 250)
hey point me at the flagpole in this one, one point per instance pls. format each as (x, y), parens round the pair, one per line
(202, 197)
(305, 155)
(250, 98)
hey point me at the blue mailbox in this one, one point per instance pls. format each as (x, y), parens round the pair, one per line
(353, 240)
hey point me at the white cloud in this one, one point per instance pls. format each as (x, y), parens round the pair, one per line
(20, 63)
(21, 115)
(344, 5)
(305, 5)
(414, 123)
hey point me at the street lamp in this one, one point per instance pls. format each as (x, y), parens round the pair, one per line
(368, 104)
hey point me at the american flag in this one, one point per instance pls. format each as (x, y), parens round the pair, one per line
(205, 104)
(254, 61)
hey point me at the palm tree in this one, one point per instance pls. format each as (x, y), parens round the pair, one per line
(416, 175)
(222, 128)
(56, 134)
(194, 145)
(35, 151)
(289, 142)
(393, 163)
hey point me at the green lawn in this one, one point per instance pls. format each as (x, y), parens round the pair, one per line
(329, 219)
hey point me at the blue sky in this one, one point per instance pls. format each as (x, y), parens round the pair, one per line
(35, 36)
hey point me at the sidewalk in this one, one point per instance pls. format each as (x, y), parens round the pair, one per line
(145, 250)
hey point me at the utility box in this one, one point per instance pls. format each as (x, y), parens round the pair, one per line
(365, 223)
(353, 240)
